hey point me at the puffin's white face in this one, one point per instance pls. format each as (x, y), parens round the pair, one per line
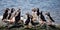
(9, 11)
(26, 16)
(34, 12)
(22, 18)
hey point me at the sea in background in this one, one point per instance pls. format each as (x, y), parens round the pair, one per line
(52, 6)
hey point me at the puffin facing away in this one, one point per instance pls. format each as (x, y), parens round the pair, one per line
(28, 19)
(42, 16)
(48, 14)
(12, 10)
(17, 17)
(5, 13)
(38, 12)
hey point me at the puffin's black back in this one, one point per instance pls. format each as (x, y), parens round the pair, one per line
(17, 18)
(12, 10)
(27, 20)
(42, 16)
(38, 12)
(51, 18)
(48, 14)
(5, 14)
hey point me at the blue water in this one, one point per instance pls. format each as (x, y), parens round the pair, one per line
(52, 6)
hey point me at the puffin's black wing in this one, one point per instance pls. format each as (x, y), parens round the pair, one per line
(42, 16)
(38, 12)
(51, 18)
